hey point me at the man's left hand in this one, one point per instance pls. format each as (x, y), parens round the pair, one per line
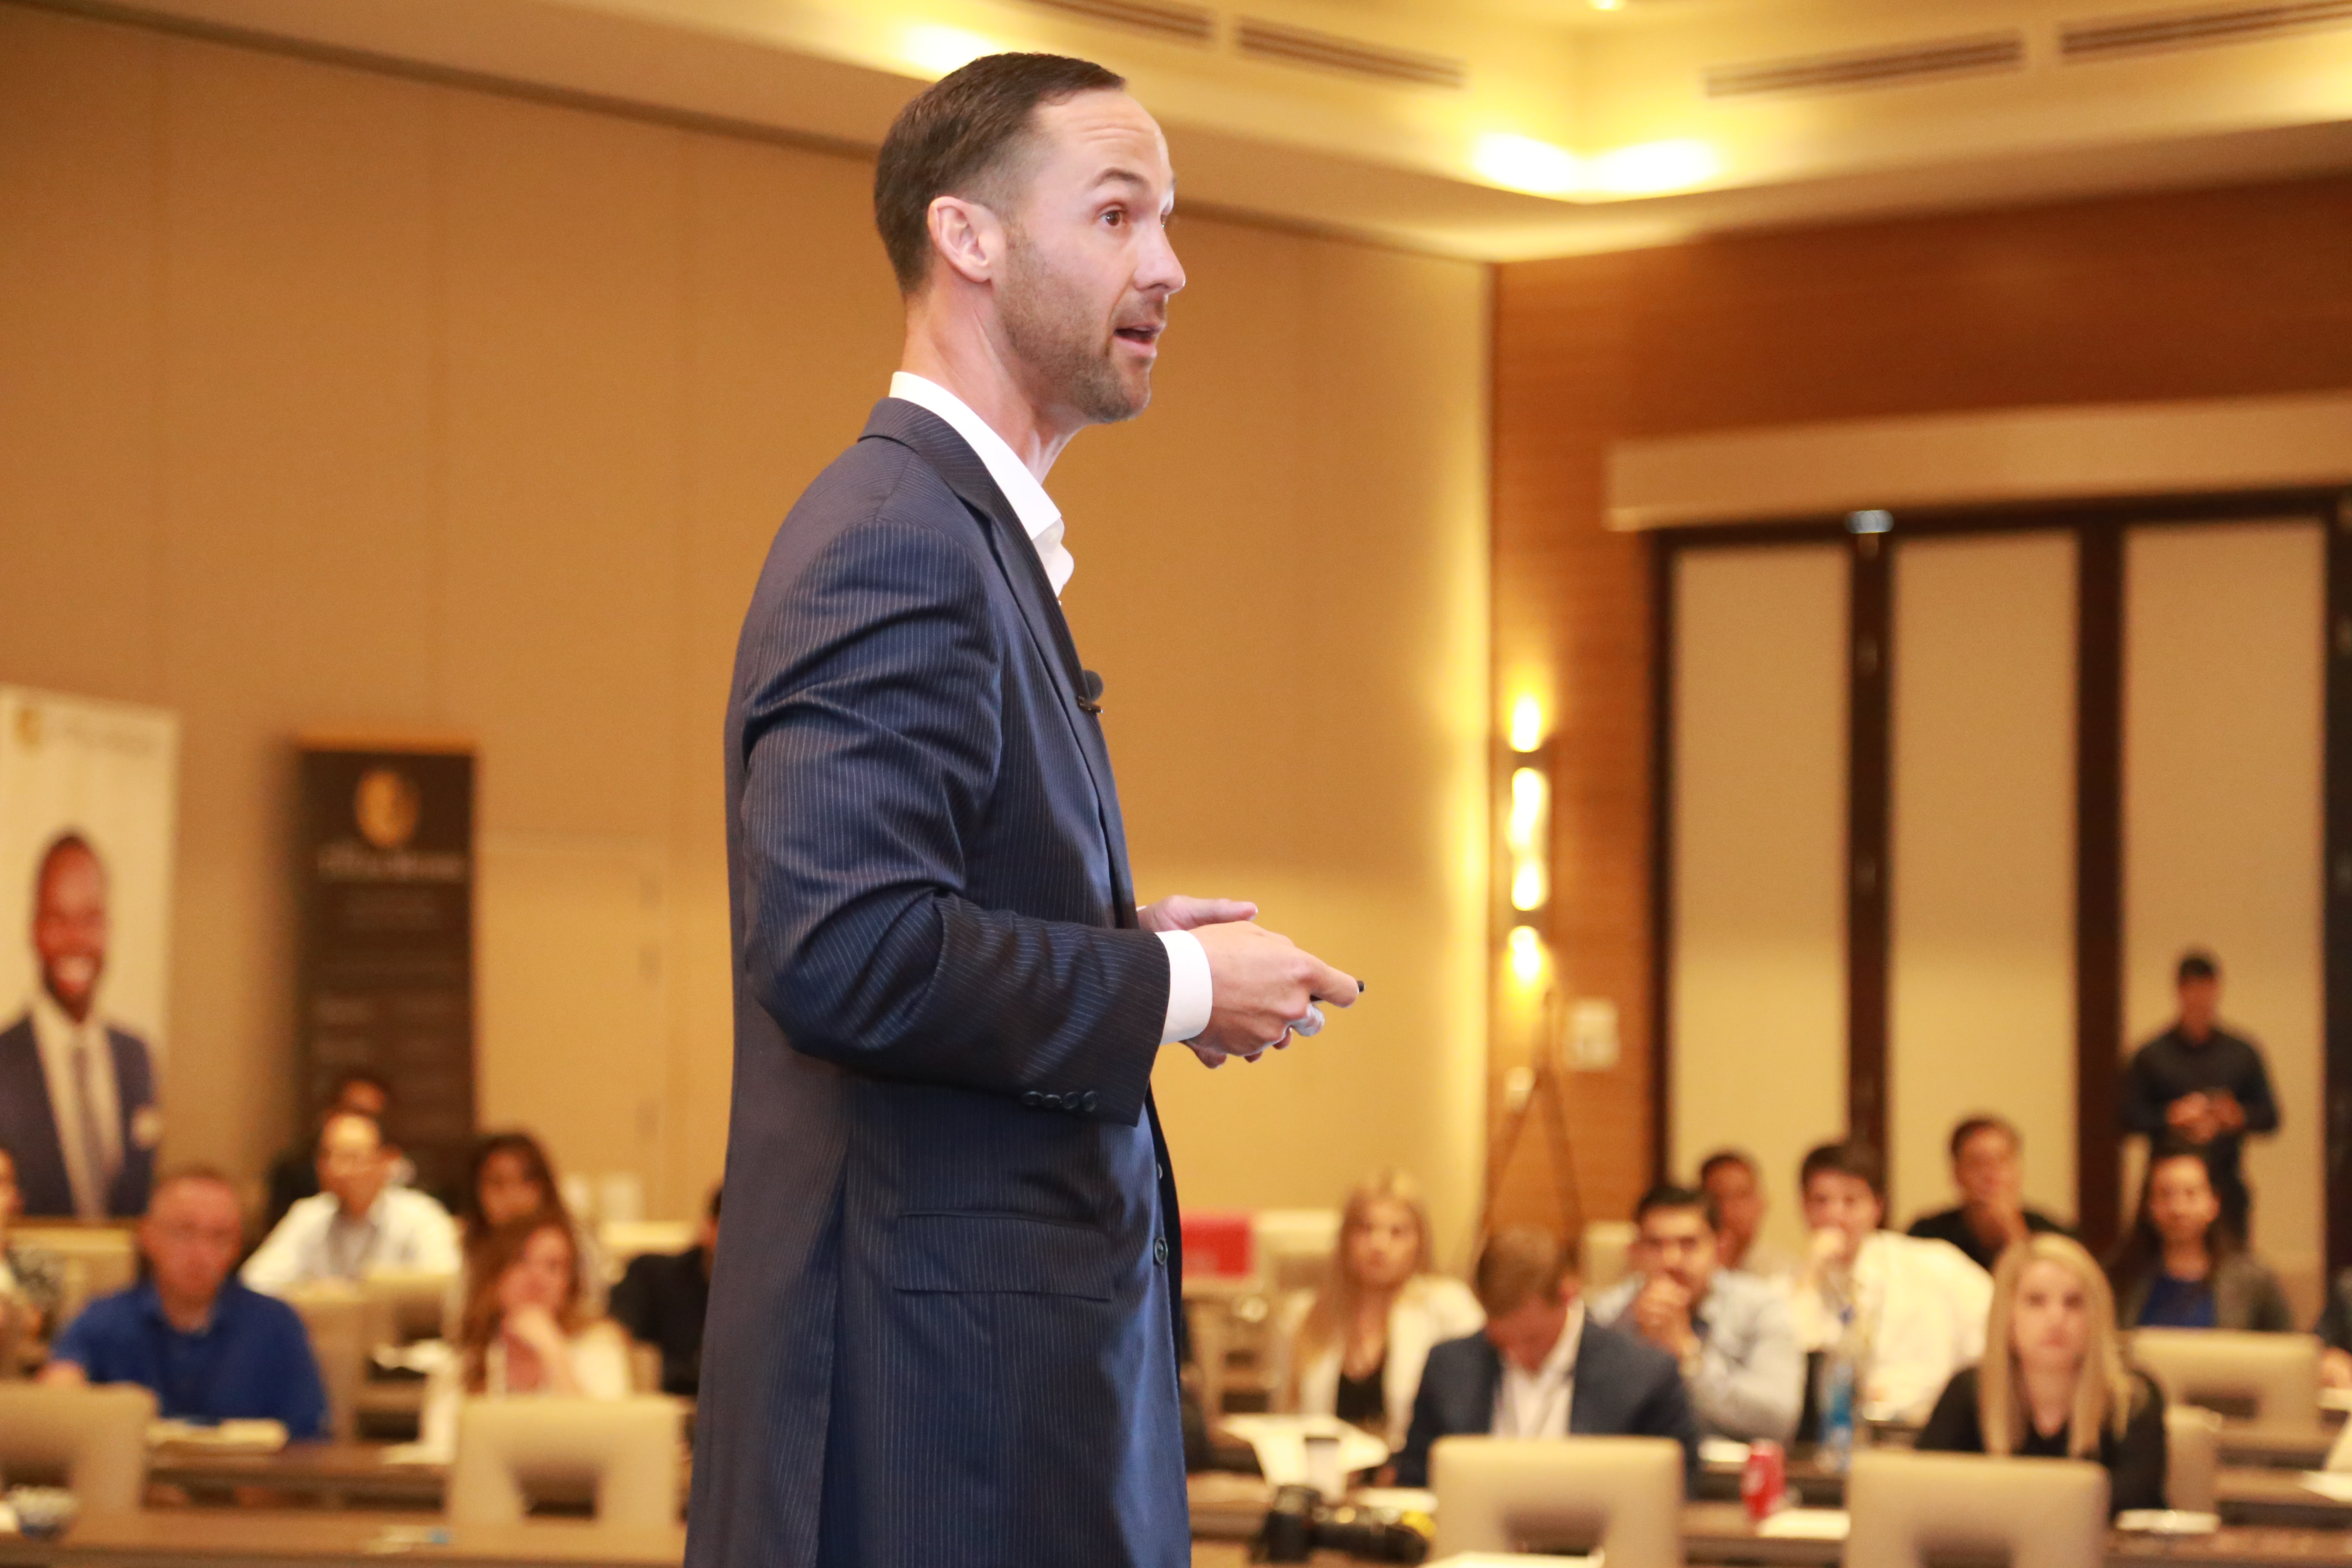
(1663, 1312)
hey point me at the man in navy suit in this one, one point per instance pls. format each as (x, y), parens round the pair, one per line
(77, 1094)
(943, 1312)
(1540, 1369)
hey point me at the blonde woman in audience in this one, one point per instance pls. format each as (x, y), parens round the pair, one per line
(2181, 1267)
(2053, 1384)
(1358, 1346)
(32, 1281)
(524, 1330)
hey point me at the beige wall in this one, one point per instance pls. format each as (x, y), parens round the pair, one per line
(1758, 965)
(340, 400)
(1982, 961)
(2224, 629)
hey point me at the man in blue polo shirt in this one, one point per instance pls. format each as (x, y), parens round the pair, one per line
(210, 1349)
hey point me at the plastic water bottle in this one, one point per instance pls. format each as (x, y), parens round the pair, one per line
(1836, 1399)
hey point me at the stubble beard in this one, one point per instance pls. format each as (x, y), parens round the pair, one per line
(1065, 352)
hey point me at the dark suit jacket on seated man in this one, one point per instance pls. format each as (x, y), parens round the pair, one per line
(77, 1094)
(942, 1322)
(210, 1349)
(1540, 1369)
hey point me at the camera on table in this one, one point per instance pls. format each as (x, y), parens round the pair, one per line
(1301, 1524)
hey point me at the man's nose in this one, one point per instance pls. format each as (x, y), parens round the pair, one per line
(1160, 272)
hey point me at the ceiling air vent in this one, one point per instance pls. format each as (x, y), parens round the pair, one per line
(1977, 55)
(2103, 38)
(1184, 24)
(1328, 51)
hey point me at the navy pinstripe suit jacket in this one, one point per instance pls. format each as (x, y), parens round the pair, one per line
(940, 1315)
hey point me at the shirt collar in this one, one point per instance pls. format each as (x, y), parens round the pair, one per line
(1040, 518)
(50, 1023)
(150, 1302)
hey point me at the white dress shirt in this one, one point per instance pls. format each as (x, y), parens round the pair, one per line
(405, 1230)
(90, 1172)
(1189, 993)
(1535, 1404)
(1921, 1306)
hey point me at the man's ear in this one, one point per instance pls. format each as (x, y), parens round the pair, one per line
(966, 236)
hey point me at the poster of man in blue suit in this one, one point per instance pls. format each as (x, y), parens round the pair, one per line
(88, 818)
(77, 1102)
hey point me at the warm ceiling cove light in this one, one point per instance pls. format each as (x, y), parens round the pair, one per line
(1524, 164)
(1652, 168)
(939, 50)
(1608, 5)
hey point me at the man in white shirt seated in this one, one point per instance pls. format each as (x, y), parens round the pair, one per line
(358, 1224)
(1914, 1310)
(1731, 1333)
(1538, 1369)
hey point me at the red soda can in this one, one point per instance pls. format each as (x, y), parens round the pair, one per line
(1764, 1481)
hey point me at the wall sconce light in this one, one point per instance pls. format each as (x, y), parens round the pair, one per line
(1527, 836)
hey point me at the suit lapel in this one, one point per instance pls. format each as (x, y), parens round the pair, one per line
(931, 438)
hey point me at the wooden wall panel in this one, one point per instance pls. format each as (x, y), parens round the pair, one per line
(2182, 294)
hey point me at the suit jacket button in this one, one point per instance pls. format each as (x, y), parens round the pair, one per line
(1159, 1250)
(1033, 1099)
(1053, 1101)
(1086, 1102)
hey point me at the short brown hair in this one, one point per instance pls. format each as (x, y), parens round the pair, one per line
(1517, 1266)
(959, 132)
(1849, 1158)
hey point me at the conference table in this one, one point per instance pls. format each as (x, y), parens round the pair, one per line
(271, 1537)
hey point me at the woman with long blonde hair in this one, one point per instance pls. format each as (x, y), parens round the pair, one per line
(2054, 1382)
(1358, 1345)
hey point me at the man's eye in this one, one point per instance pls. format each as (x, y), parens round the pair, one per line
(1114, 217)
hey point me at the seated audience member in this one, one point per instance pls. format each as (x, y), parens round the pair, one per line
(1540, 1369)
(32, 1281)
(1359, 1345)
(2182, 1267)
(358, 1224)
(2053, 1384)
(2334, 1331)
(211, 1349)
(511, 1178)
(662, 1300)
(1730, 1333)
(294, 1173)
(1730, 1179)
(523, 1330)
(1915, 1309)
(1989, 1168)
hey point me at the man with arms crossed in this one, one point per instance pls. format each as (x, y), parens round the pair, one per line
(942, 1316)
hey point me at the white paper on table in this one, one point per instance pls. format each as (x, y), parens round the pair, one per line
(1807, 1524)
(1722, 1454)
(1514, 1560)
(1404, 1499)
(2339, 1453)
(2335, 1399)
(2167, 1521)
(1280, 1444)
(241, 1435)
(2336, 1486)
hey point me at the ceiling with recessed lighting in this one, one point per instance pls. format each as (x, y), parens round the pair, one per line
(1492, 129)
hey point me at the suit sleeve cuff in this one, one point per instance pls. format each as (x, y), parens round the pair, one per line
(1188, 986)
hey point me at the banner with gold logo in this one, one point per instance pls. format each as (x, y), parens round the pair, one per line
(89, 799)
(387, 962)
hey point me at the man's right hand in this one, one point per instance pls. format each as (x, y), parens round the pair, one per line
(1260, 984)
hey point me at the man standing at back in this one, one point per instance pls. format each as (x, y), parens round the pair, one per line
(2204, 1086)
(942, 1317)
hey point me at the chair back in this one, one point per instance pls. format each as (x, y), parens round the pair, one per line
(1604, 1255)
(98, 1436)
(1908, 1509)
(2192, 1459)
(1294, 1248)
(1621, 1495)
(627, 1449)
(2252, 1379)
(94, 1261)
(336, 1318)
(406, 1305)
